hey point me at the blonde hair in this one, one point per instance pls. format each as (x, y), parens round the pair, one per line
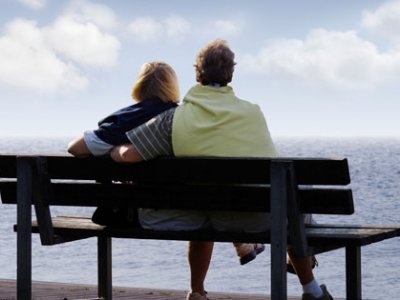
(215, 63)
(156, 80)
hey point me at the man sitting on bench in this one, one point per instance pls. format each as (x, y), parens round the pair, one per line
(211, 122)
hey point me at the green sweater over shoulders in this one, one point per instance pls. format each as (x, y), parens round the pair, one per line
(214, 122)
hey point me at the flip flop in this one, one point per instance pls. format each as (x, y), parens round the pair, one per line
(252, 255)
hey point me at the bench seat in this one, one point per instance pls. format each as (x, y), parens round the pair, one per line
(327, 235)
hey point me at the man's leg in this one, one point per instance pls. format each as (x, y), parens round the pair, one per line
(248, 252)
(199, 255)
(302, 266)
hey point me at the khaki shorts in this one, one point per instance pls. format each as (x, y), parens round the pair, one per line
(185, 220)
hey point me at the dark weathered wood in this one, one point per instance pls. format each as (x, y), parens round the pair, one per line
(104, 265)
(203, 197)
(219, 170)
(8, 190)
(353, 273)
(395, 227)
(280, 182)
(24, 237)
(8, 166)
(348, 236)
(295, 219)
(41, 196)
(286, 187)
(58, 291)
(327, 237)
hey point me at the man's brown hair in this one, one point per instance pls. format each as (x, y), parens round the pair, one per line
(215, 63)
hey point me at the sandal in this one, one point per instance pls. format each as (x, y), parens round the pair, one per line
(258, 248)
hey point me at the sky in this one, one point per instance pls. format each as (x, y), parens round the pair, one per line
(315, 68)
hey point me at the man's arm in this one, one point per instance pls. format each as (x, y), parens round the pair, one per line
(148, 141)
(125, 154)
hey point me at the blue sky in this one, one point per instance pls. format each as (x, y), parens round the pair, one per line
(316, 68)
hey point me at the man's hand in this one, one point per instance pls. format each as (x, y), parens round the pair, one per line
(125, 154)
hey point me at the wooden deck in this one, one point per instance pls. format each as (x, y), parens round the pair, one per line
(60, 291)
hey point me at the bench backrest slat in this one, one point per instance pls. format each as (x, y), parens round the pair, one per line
(212, 169)
(8, 166)
(238, 170)
(320, 201)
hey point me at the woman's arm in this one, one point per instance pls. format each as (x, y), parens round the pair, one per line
(125, 154)
(78, 147)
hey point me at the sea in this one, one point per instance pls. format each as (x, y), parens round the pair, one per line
(375, 173)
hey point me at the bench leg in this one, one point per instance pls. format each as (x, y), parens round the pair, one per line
(279, 196)
(278, 272)
(353, 273)
(104, 265)
(24, 223)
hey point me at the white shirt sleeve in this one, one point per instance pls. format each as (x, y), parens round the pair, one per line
(96, 145)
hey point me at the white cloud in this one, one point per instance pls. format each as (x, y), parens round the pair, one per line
(27, 62)
(83, 43)
(82, 11)
(226, 27)
(49, 58)
(35, 4)
(384, 20)
(336, 58)
(177, 27)
(340, 59)
(145, 29)
(148, 29)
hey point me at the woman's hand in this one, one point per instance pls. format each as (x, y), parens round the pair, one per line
(78, 147)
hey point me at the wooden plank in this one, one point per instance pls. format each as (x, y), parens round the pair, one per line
(348, 236)
(331, 238)
(8, 166)
(57, 291)
(203, 197)
(395, 227)
(239, 170)
(236, 197)
(8, 192)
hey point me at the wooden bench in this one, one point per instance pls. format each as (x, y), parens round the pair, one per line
(286, 187)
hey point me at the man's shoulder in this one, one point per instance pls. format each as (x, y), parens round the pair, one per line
(249, 106)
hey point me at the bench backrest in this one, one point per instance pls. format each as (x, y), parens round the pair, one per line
(286, 187)
(192, 183)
